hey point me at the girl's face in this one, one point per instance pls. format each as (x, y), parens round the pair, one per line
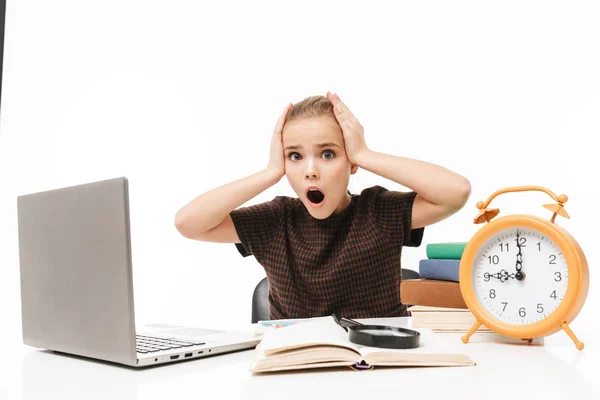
(316, 165)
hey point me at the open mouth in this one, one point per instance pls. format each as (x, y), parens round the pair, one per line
(315, 196)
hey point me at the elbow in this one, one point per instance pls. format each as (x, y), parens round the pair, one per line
(181, 224)
(463, 192)
(458, 196)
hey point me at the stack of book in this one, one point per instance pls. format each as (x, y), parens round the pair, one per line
(444, 319)
(436, 297)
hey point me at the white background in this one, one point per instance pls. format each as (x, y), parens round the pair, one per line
(182, 97)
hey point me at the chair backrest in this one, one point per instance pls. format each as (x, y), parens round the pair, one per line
(409, 274)
(260, 301)
(260, 297)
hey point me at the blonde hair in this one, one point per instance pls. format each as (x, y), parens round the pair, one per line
(313, 106)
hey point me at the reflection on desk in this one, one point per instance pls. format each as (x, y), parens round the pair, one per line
(505, 368)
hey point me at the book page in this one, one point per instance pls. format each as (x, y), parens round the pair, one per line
(313, 332)
(316, 343)
(307, 357)
(432, 351)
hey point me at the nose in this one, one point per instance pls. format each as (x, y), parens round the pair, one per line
(312, 172)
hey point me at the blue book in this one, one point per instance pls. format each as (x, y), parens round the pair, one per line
(441, 269)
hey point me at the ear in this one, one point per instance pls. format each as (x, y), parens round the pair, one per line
(353, 169)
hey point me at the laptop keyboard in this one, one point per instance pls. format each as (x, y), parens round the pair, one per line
(149, 344)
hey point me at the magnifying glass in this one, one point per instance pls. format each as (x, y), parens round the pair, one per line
(389, 337)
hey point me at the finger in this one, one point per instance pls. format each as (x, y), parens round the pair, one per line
(332, 98)
(341, 110)
(341, 116)
(345, 111)
(337, 102)
(282, 118)
(286, 110)
(348, 123)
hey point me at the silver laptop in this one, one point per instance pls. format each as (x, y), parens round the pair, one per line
(76, 282)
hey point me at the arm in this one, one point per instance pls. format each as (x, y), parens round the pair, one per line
(207, 217)
(440, 192)
(211, 210)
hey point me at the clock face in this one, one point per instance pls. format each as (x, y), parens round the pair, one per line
(519, 276)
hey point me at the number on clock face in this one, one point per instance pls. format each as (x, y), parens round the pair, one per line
(520, 276)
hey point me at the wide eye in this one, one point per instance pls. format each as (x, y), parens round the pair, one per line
(294, 156)
(328, 154)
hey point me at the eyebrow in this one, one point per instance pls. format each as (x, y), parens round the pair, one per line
(320, 146)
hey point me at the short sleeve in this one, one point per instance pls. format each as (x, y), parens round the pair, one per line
(255, 225)
(392, 211)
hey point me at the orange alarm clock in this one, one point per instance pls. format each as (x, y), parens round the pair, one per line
(523, 276)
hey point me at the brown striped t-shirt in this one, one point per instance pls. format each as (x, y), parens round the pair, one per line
(348, 263)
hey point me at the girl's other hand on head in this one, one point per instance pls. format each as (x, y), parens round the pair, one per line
(353, 131)
(277, 160)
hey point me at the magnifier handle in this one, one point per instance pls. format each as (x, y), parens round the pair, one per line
(345, 322)
(349, 322)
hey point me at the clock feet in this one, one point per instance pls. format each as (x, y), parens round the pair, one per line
(566, 328)
(528, 340)
(474, 328)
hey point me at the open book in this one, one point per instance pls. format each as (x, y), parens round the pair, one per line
(321, 343)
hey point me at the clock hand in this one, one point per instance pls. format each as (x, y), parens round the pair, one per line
(519, 275)
(519, 254)
(503, 275)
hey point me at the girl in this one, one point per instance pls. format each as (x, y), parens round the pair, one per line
(327, 250)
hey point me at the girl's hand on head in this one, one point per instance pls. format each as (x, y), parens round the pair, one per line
(354, 134)
(277, 160)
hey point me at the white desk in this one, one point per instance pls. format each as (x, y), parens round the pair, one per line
(553, 370)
